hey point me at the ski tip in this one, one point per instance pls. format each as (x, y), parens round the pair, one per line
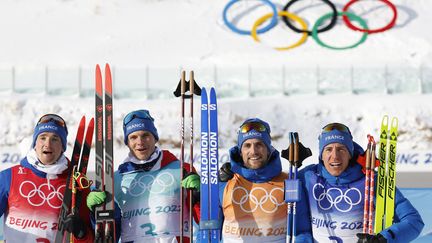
(385, 120)
(82, 121)
(394, 122)
(212, 91)
(91, 123)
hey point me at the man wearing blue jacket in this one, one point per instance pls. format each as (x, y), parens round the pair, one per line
(147, 186)
(331, 207)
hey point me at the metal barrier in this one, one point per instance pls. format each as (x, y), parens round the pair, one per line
(247, 81)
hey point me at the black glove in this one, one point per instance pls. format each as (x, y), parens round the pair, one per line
(366, 238)
(303, 154)
(225, 173)
(74, 224)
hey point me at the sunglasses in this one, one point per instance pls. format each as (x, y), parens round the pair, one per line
(335, 126)
(82, 181)
(52, 118)
(142, 114)
(252, 126)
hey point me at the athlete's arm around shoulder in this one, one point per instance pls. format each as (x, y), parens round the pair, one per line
(408, 223)
(5, 182)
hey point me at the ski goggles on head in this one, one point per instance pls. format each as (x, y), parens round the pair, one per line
(142, 114)
(52, 118)
(259, 127)
(335, 126)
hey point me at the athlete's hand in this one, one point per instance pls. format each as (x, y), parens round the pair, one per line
(225, 172)
(191, 181)
(366, 238)
(94, 199)
(74, 224)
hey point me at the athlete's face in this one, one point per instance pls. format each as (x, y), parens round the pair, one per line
(48, 148)
(254, 153)
(336, 158)
(141, 144)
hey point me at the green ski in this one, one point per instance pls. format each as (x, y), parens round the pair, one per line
(391, 174)
(385, 191)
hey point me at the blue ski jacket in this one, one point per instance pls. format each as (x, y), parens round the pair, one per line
(407, 221)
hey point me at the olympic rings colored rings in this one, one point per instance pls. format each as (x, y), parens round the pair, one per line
(288, 15)
(387, 27)
(328, 27)
(350, 15)
(272, 23)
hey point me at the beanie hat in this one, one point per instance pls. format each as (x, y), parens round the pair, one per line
(51, 126)
(254, 131)
(139, 121)
(336, 136)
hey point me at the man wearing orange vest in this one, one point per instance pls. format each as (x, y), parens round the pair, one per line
(252, 188)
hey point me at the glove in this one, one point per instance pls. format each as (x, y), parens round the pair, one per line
(225, 173)
(95, 198)
(366, 238)
(191, 181)
(303, 154)
(361, 159)
(74, 224)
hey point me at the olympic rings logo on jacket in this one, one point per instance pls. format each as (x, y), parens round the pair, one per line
(37, 196)
(149, 183)
(343, 201)
(249, 202)
(346, 15)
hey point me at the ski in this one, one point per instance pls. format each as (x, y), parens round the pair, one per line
(214, 168)
(67, 196)
(204, 188)
(386, 175)
(105, 225)
(209, 224)
(391, 174)
(381, 182)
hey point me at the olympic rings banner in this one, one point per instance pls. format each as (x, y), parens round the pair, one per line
(325, 23)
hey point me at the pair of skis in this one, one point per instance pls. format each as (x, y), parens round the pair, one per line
(386, 188)
(292, 184)
(75, 181)
(209, 201)
(183, 87)
(105, 224)
(369, 186)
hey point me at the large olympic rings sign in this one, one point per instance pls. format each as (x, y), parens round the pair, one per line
(249, 202)
(44, 193)
(343, 201)
(149, 183)
(347, 16)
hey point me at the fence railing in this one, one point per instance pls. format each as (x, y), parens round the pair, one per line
(248, 81)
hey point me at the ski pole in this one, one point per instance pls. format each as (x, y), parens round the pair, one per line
(372, 184)
(366, 190)
(296, 160)
(290, 177)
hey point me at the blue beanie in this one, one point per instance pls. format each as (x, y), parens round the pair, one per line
(263, 136)
(51, 126)
(336, 136)
(139, 124)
